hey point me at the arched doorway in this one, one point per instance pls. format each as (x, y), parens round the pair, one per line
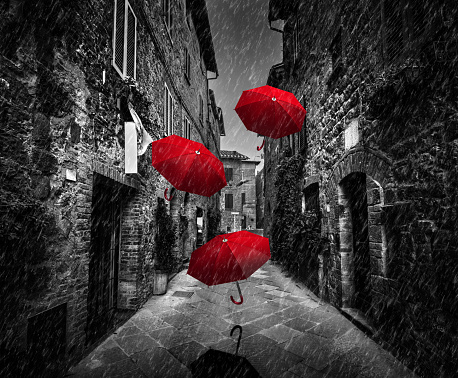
(358, 243)
(354, 241)
(309, 271)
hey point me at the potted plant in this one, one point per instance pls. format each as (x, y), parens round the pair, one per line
(165, 239)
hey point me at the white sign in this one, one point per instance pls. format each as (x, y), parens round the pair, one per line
(352, 134)
(130, 148)
(70, 174)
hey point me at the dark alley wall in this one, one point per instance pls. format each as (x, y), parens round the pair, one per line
(378, 82)
(62, 112)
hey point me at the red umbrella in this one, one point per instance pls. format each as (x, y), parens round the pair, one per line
(189, 166)
(228, 258)
(270, 112)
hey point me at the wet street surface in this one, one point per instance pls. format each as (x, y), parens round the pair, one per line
(286, 333)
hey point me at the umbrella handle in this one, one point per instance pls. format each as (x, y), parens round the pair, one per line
(240, 336)
(259, 148)
(165, 195)
(241, 296)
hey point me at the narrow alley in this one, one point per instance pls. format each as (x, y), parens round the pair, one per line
(286, 332)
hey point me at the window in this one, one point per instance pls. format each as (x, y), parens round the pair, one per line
(303, 132)
(125, 39)
(229, 201)
(296, 40)
(186, 128)
(167, 14)
(201, 108)
(187, 13)
(168, 111)
(292, 143)
(243, 198)
(228, 172)
(187, 64)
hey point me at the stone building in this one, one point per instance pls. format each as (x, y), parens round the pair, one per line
(77, 231)
(380, 148)
(260, 199)
(238, 198)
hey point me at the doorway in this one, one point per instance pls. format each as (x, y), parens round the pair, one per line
(199, 227)
(104, 255)
(355, 242)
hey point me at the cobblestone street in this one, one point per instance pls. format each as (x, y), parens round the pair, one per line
(287, 333)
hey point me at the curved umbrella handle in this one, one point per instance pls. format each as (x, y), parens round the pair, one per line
(241, 296)
(259, 148)
(165, 195)
(240, 336)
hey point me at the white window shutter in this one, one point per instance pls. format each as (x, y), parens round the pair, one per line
(124, 39)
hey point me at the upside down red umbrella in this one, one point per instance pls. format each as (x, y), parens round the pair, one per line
(189, 166)
(228, 258)
(270, 111)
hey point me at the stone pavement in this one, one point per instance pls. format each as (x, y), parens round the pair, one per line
(287, 333)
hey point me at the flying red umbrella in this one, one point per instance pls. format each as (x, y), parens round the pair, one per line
(228, 258)
(270, 111)
(189, 166)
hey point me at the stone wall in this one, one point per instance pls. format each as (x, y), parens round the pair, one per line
(62, 111)
(389, 115)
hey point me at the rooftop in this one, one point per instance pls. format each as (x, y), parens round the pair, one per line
(233, 155)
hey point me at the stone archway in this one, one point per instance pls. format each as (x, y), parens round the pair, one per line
(356, 193)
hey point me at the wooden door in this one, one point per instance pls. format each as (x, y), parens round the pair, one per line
(104, 257)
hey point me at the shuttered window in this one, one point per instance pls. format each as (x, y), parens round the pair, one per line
(186, 128)
(201, 109)
(167, 14)
(303, 132)
(229, 173)
(168, 111)
(187, 64)
(229, 201)
(125, 39)
(296, 40)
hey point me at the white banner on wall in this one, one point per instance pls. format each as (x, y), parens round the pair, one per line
(130, 148)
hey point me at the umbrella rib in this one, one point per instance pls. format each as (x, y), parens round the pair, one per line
(293, 118)
(174, 157)
(218, 254)
(240, 265)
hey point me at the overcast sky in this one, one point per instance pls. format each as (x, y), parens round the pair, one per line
(245, 50)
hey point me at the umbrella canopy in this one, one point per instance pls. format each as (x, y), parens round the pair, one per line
(218, 364)
(270, 111)
(229, 257)
(189, 166)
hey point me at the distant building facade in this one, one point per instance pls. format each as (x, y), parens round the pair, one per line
(238, 198)
(380, 145)
(78, 231)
